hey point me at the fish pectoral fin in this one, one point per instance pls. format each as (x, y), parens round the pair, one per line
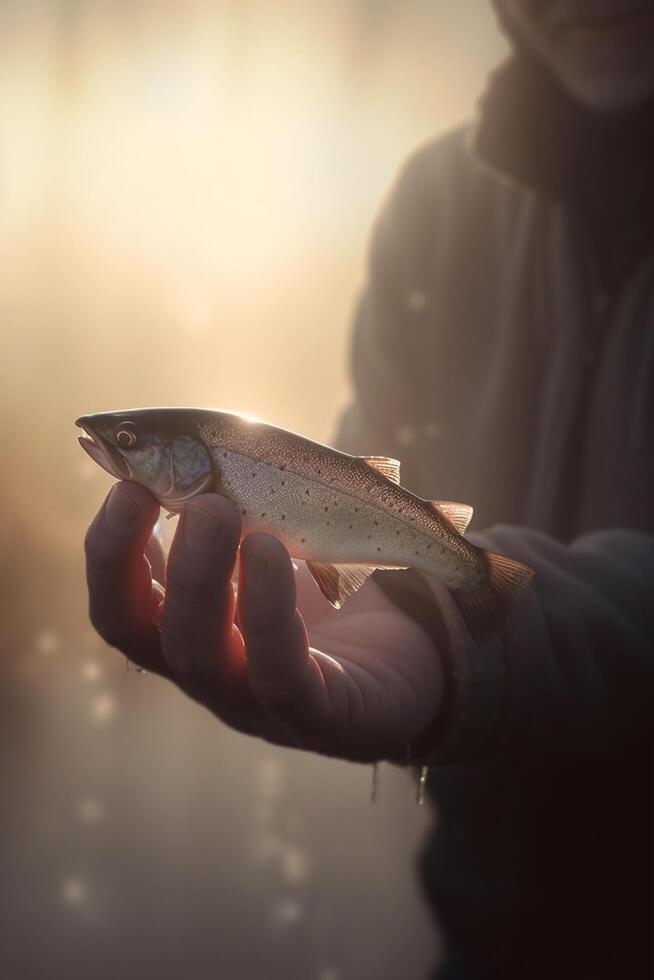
(390, 468)
(338, 582)
(457, 514)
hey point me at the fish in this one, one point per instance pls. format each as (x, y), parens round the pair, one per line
(345, 516)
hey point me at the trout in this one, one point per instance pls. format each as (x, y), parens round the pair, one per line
(345, 516)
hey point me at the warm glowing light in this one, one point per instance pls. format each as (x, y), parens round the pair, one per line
(269, 778)
(90, 811)
(287, 913)
(295, 864)
(73, 891)
(103, 708)
(267, 847)
(91, 671)
(86, 469)
(47, 642)
(328, 973)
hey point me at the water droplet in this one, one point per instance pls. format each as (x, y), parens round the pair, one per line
(422, 785)
(374, 789)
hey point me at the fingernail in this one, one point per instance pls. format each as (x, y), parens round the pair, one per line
(120, 511)
(257, 567)
(200, 528)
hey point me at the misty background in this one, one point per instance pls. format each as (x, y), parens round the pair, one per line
(186, 196)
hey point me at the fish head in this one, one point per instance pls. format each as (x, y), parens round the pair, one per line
(160, 448)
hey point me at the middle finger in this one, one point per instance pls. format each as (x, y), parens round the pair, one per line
(199, 639)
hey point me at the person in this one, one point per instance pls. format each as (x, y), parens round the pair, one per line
(503, 350)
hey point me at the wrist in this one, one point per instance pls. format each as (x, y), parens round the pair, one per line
(472, 675)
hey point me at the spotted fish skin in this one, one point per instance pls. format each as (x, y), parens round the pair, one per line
(328, 506)
(345, 515)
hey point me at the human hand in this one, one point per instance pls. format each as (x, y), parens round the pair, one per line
(278, 661)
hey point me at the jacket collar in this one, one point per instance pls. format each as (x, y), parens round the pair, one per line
(531, 130)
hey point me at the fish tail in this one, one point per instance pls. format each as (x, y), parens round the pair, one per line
(485, 609)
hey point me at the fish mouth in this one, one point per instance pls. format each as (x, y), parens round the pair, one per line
(101, 453)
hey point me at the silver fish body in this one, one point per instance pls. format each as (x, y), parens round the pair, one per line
(330, 507)
(345, 515)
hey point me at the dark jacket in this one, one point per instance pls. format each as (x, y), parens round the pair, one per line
(490, 358)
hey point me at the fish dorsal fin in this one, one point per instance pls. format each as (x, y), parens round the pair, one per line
(457, 514)
(390, 468)
(338, 582)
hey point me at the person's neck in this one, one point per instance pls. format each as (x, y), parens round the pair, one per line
(601, 166)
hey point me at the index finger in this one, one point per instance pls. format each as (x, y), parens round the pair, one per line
(284, 676)
(122, 599)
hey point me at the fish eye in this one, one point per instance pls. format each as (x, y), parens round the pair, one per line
(126, 438)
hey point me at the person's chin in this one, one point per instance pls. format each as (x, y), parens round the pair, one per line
(611, 92)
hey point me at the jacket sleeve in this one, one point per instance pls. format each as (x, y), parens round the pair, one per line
(574, 667)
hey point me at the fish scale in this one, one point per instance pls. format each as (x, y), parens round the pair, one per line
(316, 521)
(345, 515)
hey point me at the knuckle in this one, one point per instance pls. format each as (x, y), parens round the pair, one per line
(185, 625)
(193, 672)
(198, 582)
(188, 593)
(267, 619)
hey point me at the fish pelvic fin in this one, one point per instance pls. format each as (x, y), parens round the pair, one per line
(457, 514)
(338, 582)
(486, 608)
(390, 468)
